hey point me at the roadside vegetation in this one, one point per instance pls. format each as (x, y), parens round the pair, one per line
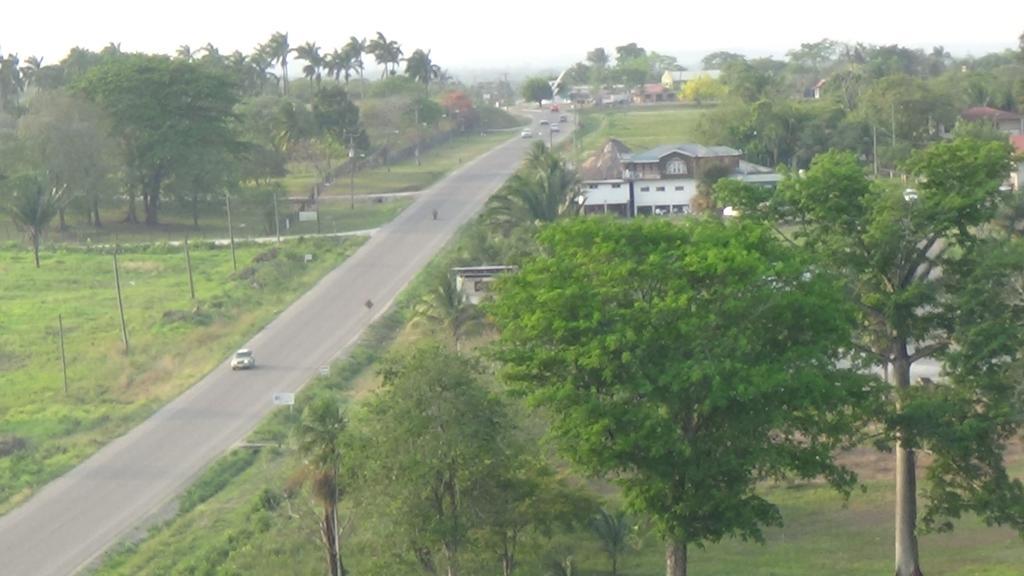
(173, 339)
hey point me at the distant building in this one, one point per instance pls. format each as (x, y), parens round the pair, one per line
(660, 181)
(999, 119)
(674, 80)
(1017, 176)
(651, 93)
(475, 281)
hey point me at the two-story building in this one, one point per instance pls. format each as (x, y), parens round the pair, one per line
(660, 181)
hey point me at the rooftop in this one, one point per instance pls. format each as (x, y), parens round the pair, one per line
(986, 113)
(693, 150)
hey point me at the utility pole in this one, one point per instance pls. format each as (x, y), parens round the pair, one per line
(277, 220)
(874, 147)
(231, 232)
(188, 264)
(352, 172)
(120, 302)
(63, 356)
(418, 136)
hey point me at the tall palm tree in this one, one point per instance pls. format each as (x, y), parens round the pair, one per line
(277, 49)
(334, 64)
(33, 65)
(33, 207)
(386, 52)
(261, 64)
(210, 54)
(421, 68)
(448, 308)
(612, 530)
(185, 53)
(310, 53)
(543, 190)
(319, 441)
(11, 82)
(354, 50)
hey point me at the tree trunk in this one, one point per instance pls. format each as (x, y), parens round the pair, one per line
(131, 216)
(151, 198)
(60, 215)
(907, 561)
(35, 247)
(96, 212)
(195, 211)
(675, 558)
(329, 533)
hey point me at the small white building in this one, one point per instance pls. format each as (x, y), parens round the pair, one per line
(660, 181)
(475, 281)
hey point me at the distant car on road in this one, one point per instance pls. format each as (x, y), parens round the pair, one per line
(544, 122)
(526, 133)
(554, 107)
(563, 118)
(243, 359)
(556, 128)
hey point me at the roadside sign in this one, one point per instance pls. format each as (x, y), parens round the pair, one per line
(307, 216)
(325, 370)
(284, 398)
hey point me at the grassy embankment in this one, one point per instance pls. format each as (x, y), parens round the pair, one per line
(639, 127)
(173, 341)
(236, 519)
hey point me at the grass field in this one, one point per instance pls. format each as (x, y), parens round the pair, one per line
(174, 342)
(640, 127)
(405, 176)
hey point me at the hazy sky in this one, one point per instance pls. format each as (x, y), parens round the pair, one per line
(515, 34)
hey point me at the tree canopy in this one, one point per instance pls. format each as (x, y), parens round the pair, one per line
(685, 362)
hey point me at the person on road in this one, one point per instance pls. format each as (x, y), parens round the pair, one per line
(435, 213)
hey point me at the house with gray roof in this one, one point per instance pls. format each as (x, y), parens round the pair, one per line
(662, 180)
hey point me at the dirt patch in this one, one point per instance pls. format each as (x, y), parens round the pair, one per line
(9, 444)
(144, 266)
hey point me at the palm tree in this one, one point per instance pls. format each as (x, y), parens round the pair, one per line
(11, 82)
(185, 53)
(421, 68)
(31, 68)
(277, 50)
(542, 191)
(211, 54)
(354, 51)
(449, 308)
(612, 530)
(386, 52)
(33, 207)
(310, 52)
(261, 64)
(334, 64)
(319, 441)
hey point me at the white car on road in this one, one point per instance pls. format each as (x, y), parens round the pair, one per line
(243, 359)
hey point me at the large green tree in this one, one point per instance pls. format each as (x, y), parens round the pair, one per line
(434, 446)
(163, 112)
(68, 138)
(537, 90)
(687, 362)
(929, 282)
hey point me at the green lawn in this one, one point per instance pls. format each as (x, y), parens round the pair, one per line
(640, 127)
(174, 342)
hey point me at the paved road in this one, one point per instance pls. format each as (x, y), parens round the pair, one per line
(74, 519)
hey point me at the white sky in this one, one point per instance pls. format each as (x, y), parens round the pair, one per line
(512, 34)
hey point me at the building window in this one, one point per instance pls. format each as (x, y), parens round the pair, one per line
(659, 189)
(676, 166)
(645, 188)
(616, 185)
(680, 188)
(592, 186)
